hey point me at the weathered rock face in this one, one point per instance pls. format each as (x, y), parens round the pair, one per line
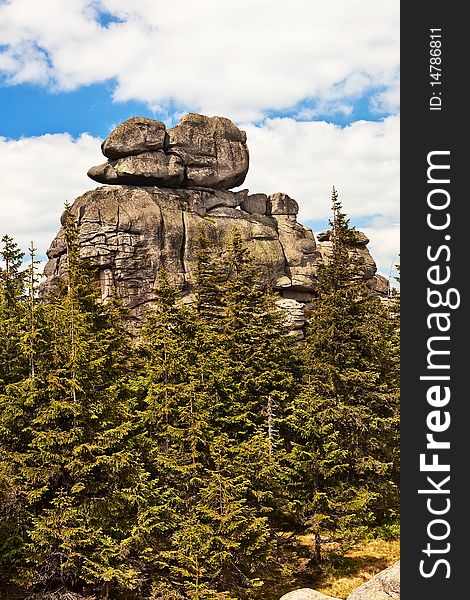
(134, 136)
(199, 152)
(358, 253)
(167, 191)
(129, 233)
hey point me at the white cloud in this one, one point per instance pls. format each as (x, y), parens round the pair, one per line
(38, 175)
(305, 159)
(238, 59)
(385, 247)
(387, 101)
(302, 159)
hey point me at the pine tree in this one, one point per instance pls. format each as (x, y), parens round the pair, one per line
(171, 434)
(253, 366)
(346, 418)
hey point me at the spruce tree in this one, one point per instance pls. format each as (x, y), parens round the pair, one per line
(13, 363)
(254, 370)
(214, 451)
(346, 417)
(73, 460)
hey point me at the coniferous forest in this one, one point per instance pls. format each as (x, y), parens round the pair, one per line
(184, 460)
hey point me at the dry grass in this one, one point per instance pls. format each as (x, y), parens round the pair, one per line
(343, 574)
(337, 576)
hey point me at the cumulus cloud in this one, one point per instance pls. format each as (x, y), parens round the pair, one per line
(306, 159)
(387, 101)
(38, 175)
(385, 248)
(303, 159)
(242, 61)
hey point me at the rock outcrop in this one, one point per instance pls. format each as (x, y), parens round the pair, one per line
(165, 189)
(358, 252)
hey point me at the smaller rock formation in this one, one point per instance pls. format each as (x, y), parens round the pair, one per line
(358, 253)
(306, 594)
(199, 151)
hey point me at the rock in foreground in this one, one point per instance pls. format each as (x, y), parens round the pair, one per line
(306, 594)
(383, 586)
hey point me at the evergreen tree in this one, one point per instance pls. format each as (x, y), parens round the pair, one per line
(13, 364)
(254, 369)
(346, 418)
(72, 458)
(209, 373)
(185, 531)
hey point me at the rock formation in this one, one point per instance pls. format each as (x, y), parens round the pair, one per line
(198, 152)
(167, 188)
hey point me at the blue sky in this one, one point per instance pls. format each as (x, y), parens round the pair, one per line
(315, 86)
(32, 110)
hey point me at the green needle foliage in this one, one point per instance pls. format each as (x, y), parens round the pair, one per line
(67, 438)
(347, 415)
(12, 311)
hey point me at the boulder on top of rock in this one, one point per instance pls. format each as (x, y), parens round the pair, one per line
(199, 151)
(148, 168)
(282, 204)
(213, 150)
(359, 238)
(136, 135)
(255, 204)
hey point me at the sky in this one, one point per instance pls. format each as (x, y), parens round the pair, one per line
(314, 84)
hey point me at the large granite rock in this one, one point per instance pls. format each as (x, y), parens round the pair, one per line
(199, 151)
(130, 232)
(134, 136)
(384, 586)
(167, 189)
(153, 168)
(213, 150)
